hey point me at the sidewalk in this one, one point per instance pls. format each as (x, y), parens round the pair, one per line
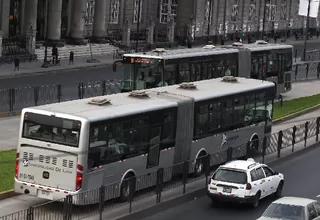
(7, 70)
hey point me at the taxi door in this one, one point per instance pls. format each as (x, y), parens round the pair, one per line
(260, 184)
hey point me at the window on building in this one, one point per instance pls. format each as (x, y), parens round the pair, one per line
(235, 11)
(208, 11)
(283, 10)
(136, 13)
(89, 12)
(252, 10)
(271, 9)
(168, 10)
(114, 11)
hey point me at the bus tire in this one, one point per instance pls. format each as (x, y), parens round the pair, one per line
(199, 165)
(127, 187)
(254, 145)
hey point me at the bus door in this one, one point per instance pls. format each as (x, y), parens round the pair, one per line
(281, 68)
(154, 147)
(259, 67)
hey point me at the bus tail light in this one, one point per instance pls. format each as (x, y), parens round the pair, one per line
(79, 181)
(17, 164)
(79, 177)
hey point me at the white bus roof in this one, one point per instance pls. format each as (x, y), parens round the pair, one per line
(214, 88)
(200, 51)
(122, 104)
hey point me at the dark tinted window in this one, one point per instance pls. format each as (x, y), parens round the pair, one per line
(283, 211)
(267, 171)
(317, 206)
(232, 112)
(312, 212)
(260, 173)
(230, 176)
(123, 138)
(254, 175)
(51, 129)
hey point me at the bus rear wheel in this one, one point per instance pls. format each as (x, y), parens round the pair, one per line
(199, 165)
(127, 187)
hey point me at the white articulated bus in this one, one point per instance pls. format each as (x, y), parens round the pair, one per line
(160, 67)
(72, 147)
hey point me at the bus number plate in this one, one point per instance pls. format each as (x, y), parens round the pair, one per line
(45, 194)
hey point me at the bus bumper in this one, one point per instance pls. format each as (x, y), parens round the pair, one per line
(42, 192)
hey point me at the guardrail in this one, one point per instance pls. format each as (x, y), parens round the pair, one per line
(15, 99)
(153, 186)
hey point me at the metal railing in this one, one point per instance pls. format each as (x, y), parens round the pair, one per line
(154, 187)
(15, 99)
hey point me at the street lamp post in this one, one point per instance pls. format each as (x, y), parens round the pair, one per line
(45, 60)
(306, 33)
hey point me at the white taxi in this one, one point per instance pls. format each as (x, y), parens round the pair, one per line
(245, 182)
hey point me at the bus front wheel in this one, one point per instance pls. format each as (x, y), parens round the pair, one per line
(127, 187)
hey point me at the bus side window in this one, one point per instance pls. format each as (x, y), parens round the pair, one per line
(168, 130)
(202, 120)
(239, 111)
(169, 74)
(215, 115)
(254, 67)
(184, 73)
(139, 138)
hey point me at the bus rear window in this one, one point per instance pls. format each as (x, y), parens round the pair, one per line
(51, 129)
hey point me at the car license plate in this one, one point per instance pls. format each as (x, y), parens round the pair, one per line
(227, 189)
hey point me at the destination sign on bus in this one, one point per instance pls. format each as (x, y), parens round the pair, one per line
(141, 60)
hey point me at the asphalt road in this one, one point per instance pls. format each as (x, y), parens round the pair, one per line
(301, 179)
(69, 81)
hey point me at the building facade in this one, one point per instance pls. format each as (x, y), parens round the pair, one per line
(73, 21)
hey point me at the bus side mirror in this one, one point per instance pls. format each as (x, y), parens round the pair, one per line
(114, 67)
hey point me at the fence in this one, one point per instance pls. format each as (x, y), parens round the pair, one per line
(311, 55)
(154, 187)
(16, 99)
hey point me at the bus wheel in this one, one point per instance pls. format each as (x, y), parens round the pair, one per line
(199, 166)
(127, 187)
(254, 145)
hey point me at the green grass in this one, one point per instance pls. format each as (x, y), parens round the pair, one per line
(295, 105)
(7, 158)
(7, 169)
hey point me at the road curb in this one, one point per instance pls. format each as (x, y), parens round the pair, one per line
(7, 194)
(295, 115)
(9, 114)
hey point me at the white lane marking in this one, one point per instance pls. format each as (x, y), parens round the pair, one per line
(318, 196)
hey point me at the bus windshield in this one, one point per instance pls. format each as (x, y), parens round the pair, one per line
(141, 73)
(51, 129)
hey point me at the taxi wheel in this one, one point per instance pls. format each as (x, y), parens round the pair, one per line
(278, 193)
(256, 201)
